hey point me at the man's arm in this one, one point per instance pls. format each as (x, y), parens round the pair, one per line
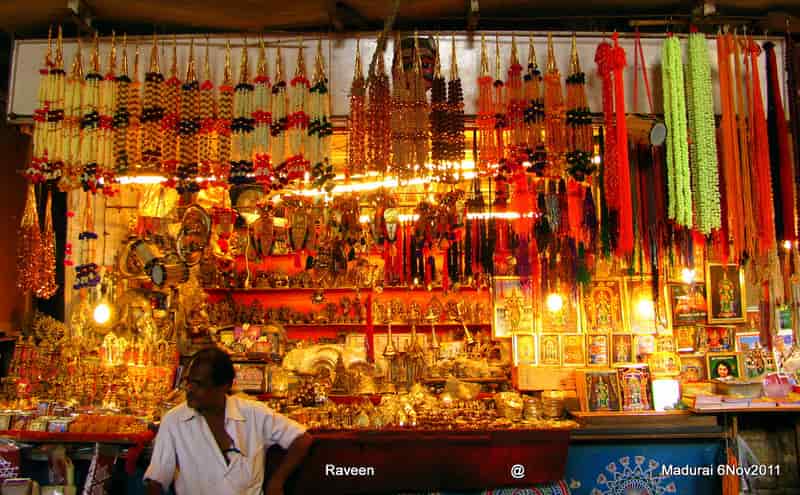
(294, 456)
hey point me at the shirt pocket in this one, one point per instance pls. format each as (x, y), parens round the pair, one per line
(247, 472)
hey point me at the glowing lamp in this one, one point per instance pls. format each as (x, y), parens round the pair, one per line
(687, 275)
(554, 302)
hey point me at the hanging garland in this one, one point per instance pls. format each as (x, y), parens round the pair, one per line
(29, 246)
(188, 169)
(320, 128)
(703, 147)
(152, 111)
(379, 118)
(225, 120)
(357, 121)
(780, 158)
(419, 99)
(71, 128)
(35, 170)
(54, 145)
(402, 117)
(729, 145)
(516, 103)
(241, 171)
(122, 117)
(500, 105)
(579, 121)
(297, 163)
(759, 143)
(208, 154)
(534, 114)
(133, 141)
(555, 117)
(743, 129)
(105, 133)
(90, 125)
(456, 141)
(262, 118)
(487, 147)
(46, 285)
(87, 272)
(438, 117)
(170, 125)
(280, 122)
(678, 173)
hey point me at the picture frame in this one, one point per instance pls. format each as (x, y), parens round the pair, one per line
(686, 338)
(643, 345)
(634, 384)
(693, 368)
(512, 307)
(567, 319)
(250, 377)
(716, 362)
(716, 338)
(725, 293)
(598, 390)
(665, 343)
(573, 350)
(603, 307)
(746, 341)
(756, 362)
(549, 350)
(598, 350)
(524, 349)
(688, 304)
(644, 313)
(664, 363)
(621, 348)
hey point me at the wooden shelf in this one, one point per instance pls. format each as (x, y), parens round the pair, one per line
(628, 414)
(737, 410)
(418, 290)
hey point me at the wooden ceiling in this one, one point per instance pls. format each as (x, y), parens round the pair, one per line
(31, 17)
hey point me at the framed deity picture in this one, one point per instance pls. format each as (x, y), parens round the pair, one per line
(634, 384)
(686, 338)
(716, 338)
(664, 364)
(693, 368)
(602, 306)
(687, 304)
(646, 314)
(723, 365)
(597, 350)
(601, 391)
(755, 362)
(621, 349)
(643, 346)
(725, 293)
(513, 307)
(559, 312)
(572, 350)
(747, 340)
(524, 348)
(549, 350)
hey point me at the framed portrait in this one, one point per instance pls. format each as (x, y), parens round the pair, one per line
(621, 348)
(716, 338)
(512, 307)
(559, 312)
(664, 363)
(687, 304)
(747, 340)
(644, 345)
(634, 384)
(602, 391)
(665, 343)
(250, 377)
(693, 369)
(725, 293)
(597, 350)
(573, 352)
(686, 338)
(724, 365)
(549, 350)
(524, 348)
(602, 306)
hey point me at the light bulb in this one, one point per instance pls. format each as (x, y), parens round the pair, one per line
(645, 309)
(787, 245)
(555, 302)
(687, 275)
(102, 313)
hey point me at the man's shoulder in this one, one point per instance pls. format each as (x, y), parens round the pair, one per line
(176, 414)
(249, 407)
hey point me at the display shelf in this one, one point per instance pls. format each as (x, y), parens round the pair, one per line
(738, 410)
(469, 380)
(628, 414)
(417, 290)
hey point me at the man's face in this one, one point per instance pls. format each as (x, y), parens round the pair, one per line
(201, 393)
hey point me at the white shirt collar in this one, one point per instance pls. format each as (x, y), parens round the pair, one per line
(232, 411)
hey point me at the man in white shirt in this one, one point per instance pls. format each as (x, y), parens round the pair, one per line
(215, 444)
